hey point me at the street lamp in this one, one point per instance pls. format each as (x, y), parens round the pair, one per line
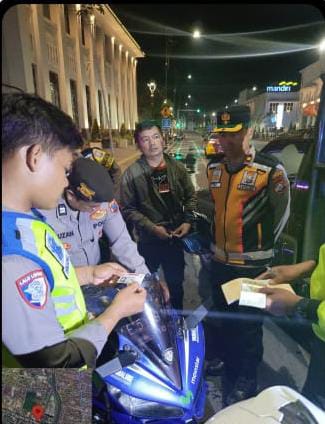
(226, 107)
(196, 34)
(189, 76)
(189, 96)
(254, 88)
(186, 104)
(152, 87)
(236, 101)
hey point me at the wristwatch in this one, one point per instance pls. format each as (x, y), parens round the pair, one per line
(306, 309)
(300, 310)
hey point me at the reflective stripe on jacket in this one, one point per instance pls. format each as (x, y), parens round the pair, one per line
(30, 237)
(317, 291)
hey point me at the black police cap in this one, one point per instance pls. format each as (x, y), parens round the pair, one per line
(90, 181)
(233, 119)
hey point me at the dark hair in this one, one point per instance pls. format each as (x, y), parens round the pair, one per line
(28, 119)
(145, 125)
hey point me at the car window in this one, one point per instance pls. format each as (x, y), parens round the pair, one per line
(290, 157)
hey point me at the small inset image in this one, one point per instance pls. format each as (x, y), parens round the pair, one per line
(46, 396)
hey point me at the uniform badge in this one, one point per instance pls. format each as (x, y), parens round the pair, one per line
(33, 289)
(62, 209)
(248, 181)
(279, 181)
(225, 118)
(216, 178)
(86, 191)
(58, 252)
(98, 214)
(113, 206)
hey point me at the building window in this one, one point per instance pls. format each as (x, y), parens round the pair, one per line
(54, 89)
(100, 107)
(274, 107)
(83, 38)
(34, 71)
(90, 118)
(74, 101)
(46, 11)
(66, 19)
(288, 107)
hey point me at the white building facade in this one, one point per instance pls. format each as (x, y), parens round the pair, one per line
(86, 65)
(275, 107)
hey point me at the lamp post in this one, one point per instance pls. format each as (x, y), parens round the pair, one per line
(152, 88)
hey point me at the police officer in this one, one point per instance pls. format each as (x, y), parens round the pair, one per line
(44, 315)
(251, 195)
(281, 302)
(105, 158)
(86, 211)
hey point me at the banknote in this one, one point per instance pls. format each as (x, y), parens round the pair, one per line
(130, 278)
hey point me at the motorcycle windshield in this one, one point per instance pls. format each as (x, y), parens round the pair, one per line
(154, 332)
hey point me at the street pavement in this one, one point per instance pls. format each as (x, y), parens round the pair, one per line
(284, 362)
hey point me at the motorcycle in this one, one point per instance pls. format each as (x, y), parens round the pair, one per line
(156, 374)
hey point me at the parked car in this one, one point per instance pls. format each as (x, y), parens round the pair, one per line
(290, 152)
(213, 147)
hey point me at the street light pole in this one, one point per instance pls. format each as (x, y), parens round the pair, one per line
(152, 88)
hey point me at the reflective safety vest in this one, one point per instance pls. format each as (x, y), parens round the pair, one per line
(244, 220)
(317, 291)
(30, 237)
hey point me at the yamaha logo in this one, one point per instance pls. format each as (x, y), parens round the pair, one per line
(195, 371)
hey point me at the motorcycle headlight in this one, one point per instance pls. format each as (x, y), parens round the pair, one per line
(143, 408)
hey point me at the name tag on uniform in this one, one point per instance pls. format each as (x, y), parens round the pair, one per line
(62, 209)
(248, 181)
(58, 252)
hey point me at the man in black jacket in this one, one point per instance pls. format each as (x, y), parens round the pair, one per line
(158, 198)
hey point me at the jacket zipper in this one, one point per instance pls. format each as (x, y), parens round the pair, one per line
(224, 225)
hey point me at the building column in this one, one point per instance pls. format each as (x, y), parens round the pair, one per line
(131, 92)
(135, 96)
(119, 84)
(64, 82)
(114, 123)
(92, 79)
(41, 52)
(80, 81)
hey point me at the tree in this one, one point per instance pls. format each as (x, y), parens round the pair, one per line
(95, 131)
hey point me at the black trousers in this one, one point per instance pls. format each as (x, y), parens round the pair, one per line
(170, 256)
(314, 388)
(240, 334)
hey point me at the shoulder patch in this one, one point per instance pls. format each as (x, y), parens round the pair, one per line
(33, 289)
(58, 252)
(62, 209)
(98, 214)
(113, 206)
(280, 181)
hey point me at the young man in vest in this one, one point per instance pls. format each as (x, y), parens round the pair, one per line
(251, 195)
(44, 315)
(158, 198)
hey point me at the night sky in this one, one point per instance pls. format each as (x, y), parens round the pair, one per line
(228, 31)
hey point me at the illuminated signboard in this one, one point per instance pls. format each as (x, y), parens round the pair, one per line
(282, 86)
